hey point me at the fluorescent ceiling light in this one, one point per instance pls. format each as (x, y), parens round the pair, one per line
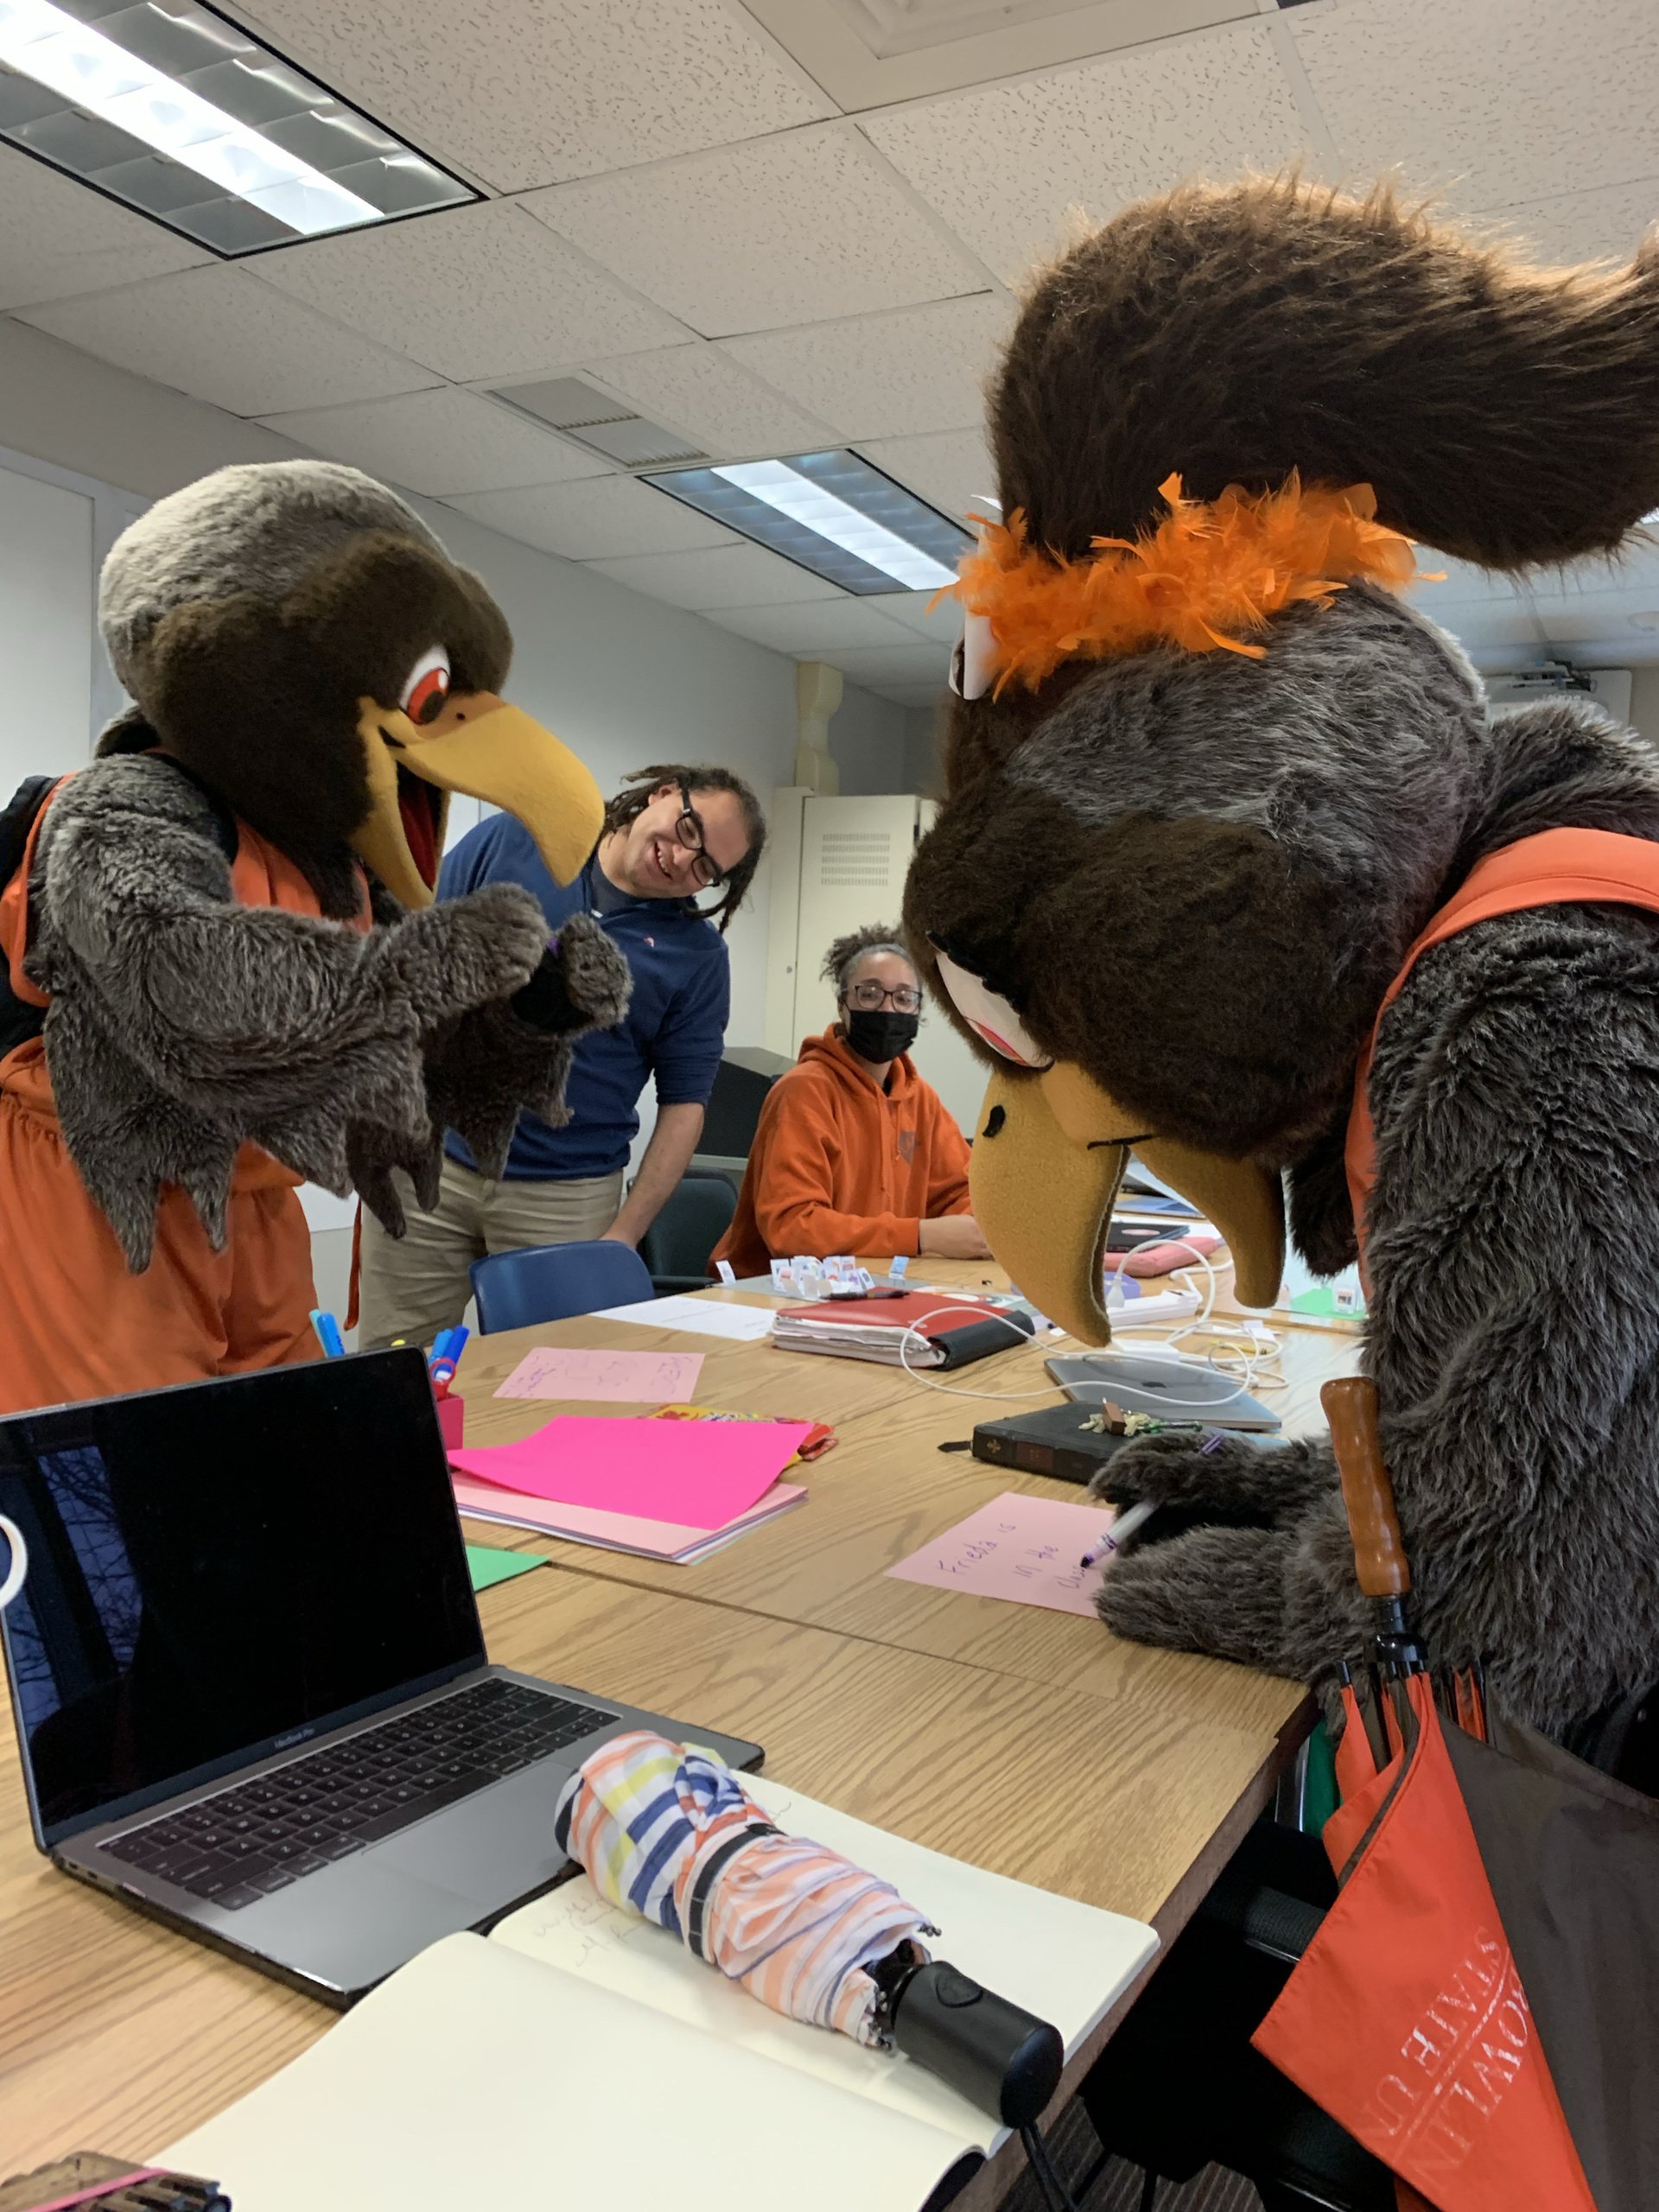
(833, 513)
(803, 501)
(135, 79)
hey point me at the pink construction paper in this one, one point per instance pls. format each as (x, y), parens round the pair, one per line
(697, 1474)
(1025, 1548)
(585, 1524)
(638, 1378)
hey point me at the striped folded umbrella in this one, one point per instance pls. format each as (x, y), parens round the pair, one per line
(672, 1834)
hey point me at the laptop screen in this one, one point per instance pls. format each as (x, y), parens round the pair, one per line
(224, 1568)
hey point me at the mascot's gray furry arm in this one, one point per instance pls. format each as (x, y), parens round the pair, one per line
(269, 621)
(1171, 886)
(1513, 1332)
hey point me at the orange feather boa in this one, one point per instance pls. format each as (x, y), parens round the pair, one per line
(1208, 577)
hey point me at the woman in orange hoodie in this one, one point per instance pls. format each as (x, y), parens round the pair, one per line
(854, 1151)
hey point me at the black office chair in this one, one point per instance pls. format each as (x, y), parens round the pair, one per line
(1179, 2087)
(675, 1246)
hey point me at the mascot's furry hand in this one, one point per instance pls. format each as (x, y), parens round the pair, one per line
(1217, 1477)
(511, 1053)
(1232, 1516)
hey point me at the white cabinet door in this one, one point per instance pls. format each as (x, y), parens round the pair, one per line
(46, 628)
(940, 1053)
(855, 856)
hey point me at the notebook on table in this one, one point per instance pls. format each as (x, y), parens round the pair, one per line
(582, 2050)
(918, 1328)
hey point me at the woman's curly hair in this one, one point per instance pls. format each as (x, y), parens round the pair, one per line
(845, 952)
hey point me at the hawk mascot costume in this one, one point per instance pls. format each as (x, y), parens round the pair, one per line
(1235, 868)
(221, 972)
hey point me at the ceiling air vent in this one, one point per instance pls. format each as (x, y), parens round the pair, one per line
(603, 425)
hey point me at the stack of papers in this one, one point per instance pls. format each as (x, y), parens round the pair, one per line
(659, 1489)
(910, 1328)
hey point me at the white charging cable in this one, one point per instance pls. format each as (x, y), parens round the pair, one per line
(19, 1568)
(1254, 1364)
(918, 1330)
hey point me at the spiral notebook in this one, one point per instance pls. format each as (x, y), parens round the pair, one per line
(582, 2055)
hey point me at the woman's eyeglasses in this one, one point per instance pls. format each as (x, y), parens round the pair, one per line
(904, 998)
(705, 873)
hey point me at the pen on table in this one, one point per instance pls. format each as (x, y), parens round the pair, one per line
(1132, 1517)
(328, 1336)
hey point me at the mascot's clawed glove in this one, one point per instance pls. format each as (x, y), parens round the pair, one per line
(1233, 1516)
(511, 1053)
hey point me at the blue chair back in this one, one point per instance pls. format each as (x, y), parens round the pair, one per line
(547, 1282)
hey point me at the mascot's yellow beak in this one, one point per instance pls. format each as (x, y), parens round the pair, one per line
(479, 746)
(1047, 1160)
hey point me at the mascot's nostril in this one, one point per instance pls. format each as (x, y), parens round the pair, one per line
(994, 1121)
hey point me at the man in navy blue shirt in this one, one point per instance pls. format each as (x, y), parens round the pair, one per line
(671, 833)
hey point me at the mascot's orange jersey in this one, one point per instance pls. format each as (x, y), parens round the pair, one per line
(86, 1327)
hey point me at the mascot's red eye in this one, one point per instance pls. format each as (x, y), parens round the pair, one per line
(991, 1017)
(428, 687)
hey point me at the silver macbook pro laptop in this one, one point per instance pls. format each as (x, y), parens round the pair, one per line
(249, 1685)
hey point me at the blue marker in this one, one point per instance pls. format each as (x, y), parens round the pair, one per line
(328, 1336)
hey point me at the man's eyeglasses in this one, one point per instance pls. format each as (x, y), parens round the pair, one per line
(905, 998)
(705, 872)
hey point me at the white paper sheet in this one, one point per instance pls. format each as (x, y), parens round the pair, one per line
(699, 1317)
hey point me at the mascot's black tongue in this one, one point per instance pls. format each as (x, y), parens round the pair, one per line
(417, 806)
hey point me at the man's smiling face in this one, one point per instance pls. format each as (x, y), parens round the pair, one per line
(655, 861)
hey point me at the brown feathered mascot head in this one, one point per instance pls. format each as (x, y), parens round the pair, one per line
(1209, 772)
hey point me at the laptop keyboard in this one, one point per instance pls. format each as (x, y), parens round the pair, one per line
(256, 1839)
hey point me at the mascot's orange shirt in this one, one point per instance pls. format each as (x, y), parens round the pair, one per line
(840, 1166)
(74, 1323)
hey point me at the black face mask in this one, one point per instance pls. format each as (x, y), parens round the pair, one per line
(879, 1035)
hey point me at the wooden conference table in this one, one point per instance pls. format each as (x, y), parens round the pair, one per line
(1030, 1741)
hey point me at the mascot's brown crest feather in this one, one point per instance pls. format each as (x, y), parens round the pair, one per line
(1176, 884)
(1232, 336)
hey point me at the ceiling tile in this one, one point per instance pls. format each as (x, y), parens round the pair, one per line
(952, 471)
(1004, 165)
(942, 625)
(820, 627)
(914, 664)
(1445, 582)
(477, 292)
(793, 229)
(1482, 629)
(887, 375)
(722, 576)
(703, 394)
(222, 336)
(1494, 101)
(602, 519)
(530, 94)
(1585, 225)
(60, 238)
(439, 441)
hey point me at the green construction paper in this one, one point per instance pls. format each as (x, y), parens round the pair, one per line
(487, 1565)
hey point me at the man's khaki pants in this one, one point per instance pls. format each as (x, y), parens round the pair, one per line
(415, 1285)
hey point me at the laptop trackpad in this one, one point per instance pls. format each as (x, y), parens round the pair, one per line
(488, 1849)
